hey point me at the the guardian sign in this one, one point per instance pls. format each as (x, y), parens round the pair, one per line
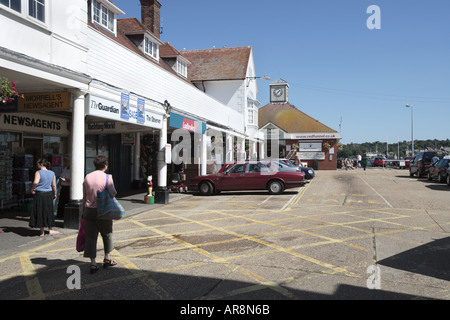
(113, 110)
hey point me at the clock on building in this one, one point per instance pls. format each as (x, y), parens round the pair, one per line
(279, 91)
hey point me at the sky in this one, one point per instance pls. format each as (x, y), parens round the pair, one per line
(355, 79)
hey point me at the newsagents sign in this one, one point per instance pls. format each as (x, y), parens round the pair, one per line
(114, 110)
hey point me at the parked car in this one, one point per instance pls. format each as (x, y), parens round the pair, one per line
(286, 165)
(439, 169)
(408, 160)
(379, 162)
(248, 176)
(422, 162)
(448, 176)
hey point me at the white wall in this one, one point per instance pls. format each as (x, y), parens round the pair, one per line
(114, 64)
(61, 40)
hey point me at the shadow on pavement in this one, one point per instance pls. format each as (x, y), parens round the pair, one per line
(117, 283)
(431, 259)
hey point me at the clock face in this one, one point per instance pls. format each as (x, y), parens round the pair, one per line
(278, 92)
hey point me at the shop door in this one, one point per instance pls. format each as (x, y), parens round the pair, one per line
(120, 163)
(33, 146)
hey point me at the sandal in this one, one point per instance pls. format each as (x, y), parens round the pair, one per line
(109, 263)
(94, 268)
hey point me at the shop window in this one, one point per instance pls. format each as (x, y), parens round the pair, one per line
(12, 4)
(95, 144)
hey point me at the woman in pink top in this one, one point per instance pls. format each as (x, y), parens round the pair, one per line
(93, 182)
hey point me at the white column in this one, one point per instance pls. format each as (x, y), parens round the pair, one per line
(203, 157)
(241, 154)
(253, 149)
(78, 145)
(162, 166)
(229, 148)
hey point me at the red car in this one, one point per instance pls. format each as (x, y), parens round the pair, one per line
(248, 176)
(379, 162)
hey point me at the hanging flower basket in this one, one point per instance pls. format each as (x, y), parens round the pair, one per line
(8, 92)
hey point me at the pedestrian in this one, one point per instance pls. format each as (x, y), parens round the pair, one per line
(64, 184)
(298, 161)
(365, 163)
(43, 189)
(93, 182)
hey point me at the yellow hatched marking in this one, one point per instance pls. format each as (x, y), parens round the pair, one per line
(31, 282)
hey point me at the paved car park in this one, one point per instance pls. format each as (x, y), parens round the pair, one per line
(374, 234)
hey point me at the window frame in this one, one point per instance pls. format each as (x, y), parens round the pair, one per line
(103, 16)
(25, 6)
(10, 7)
(182, 68)
(151, 48)
(37, 9)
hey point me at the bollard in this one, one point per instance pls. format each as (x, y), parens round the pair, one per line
(72, 214)
(162, 195)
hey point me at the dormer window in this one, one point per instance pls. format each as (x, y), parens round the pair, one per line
(151, 48)
(103, 16)
(181, 68)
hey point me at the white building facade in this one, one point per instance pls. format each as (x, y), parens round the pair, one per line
(94, 84)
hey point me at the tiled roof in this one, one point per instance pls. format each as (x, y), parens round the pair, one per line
(168, 51)
(218, 64)
(290, 119)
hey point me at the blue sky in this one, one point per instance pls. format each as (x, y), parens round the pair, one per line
(340, 72)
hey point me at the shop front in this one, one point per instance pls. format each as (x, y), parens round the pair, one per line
(27, 133)
(186, 145)
(125, 129)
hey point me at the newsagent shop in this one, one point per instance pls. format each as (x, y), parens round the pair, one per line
(129, 143)
(27, 136)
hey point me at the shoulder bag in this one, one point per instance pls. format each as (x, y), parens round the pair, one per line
(108, 208)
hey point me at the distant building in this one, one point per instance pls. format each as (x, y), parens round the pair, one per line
(299, 134)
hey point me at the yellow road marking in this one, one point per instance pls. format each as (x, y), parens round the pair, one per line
(31, 280)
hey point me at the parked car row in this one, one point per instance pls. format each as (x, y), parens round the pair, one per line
(431, 164)
(273, 175)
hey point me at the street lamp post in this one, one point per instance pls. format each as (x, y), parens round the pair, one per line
(412, 128)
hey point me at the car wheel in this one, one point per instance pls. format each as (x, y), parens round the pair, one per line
(440, 178)
(205, 188)
(448, 180)
(275, 187)
(429, 176)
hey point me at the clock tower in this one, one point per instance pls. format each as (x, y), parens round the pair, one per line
(279, 90)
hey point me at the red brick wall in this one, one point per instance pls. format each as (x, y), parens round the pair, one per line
(326, 164)
(150, 15)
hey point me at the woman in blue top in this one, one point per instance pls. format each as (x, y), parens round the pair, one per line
(44, 190)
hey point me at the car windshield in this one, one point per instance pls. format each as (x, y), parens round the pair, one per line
(287, 163)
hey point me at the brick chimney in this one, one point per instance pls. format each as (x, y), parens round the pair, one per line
(150, 15)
